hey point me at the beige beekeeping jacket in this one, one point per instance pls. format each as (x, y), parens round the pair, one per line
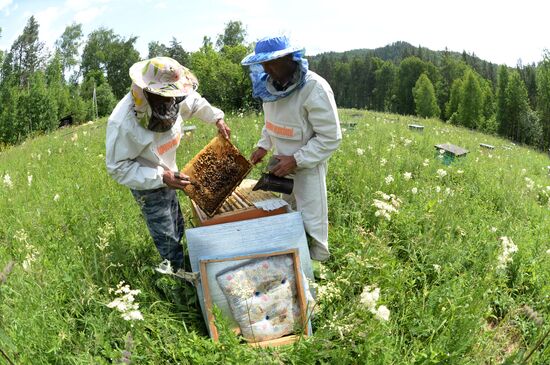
(137, 157)
(304, 124)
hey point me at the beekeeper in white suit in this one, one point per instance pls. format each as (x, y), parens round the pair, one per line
(301, 125)
(143, 133)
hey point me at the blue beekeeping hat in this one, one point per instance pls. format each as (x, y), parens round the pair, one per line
(270, 48)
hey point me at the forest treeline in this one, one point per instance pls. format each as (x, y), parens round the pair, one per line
(457, 87)
(38, 86)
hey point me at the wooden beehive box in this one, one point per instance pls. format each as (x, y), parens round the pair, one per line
(449, 152)
(238, 206)
(214, 173)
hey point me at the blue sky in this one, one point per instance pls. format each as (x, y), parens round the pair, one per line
(498, 31)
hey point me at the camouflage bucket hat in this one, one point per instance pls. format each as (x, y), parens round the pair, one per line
(163, 76)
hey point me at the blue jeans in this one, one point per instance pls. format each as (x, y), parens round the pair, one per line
(163, 216)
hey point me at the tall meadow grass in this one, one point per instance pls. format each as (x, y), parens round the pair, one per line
(455, 295)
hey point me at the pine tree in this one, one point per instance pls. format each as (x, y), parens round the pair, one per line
(488, 123)
(451, 70)
(516, 105)
(502, 117)
(451, 108)
(384, 79)
(410, 70)
(36, 109)
(543, 98)
(470, 111)
(424, 98)
(27, 53)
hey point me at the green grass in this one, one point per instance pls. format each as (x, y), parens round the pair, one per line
(435, 261)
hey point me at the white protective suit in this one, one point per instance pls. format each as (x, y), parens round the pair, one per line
(305, 125)
(137, 157)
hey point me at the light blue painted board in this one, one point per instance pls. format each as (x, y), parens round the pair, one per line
(253, 236)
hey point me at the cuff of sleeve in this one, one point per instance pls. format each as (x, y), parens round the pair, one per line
(299, 159)
(160, 173)
(218, 115)
(263, 145)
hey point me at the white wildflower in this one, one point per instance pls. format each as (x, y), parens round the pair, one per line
(529, 183)
(493, 229)
(382, 313)
(460, 172)
(74, 137)
(370, 296)
(448, 191)
(508, 249)
(523, 171)
(7, 181)
(383, 162)
(125, 303)
(407, 142)
(426, 162)
(387, 206)
(548, 251)
(360, 151)
(389, 179)
(56, 197)
(134, 315)
(441, 173)
(407, 176)
(414, 190)
(29, 179)
(438, 189)
(437, 268)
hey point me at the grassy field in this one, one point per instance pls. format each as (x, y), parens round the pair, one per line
(460, 255)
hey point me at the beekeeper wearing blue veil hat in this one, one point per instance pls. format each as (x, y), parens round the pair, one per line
(301, 126)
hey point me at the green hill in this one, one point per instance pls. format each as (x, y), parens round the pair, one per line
(435, 249)
(398, 51)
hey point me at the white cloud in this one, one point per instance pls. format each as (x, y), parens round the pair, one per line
(79, 5)
(498, 32)
(5, 4)
(88, 15)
